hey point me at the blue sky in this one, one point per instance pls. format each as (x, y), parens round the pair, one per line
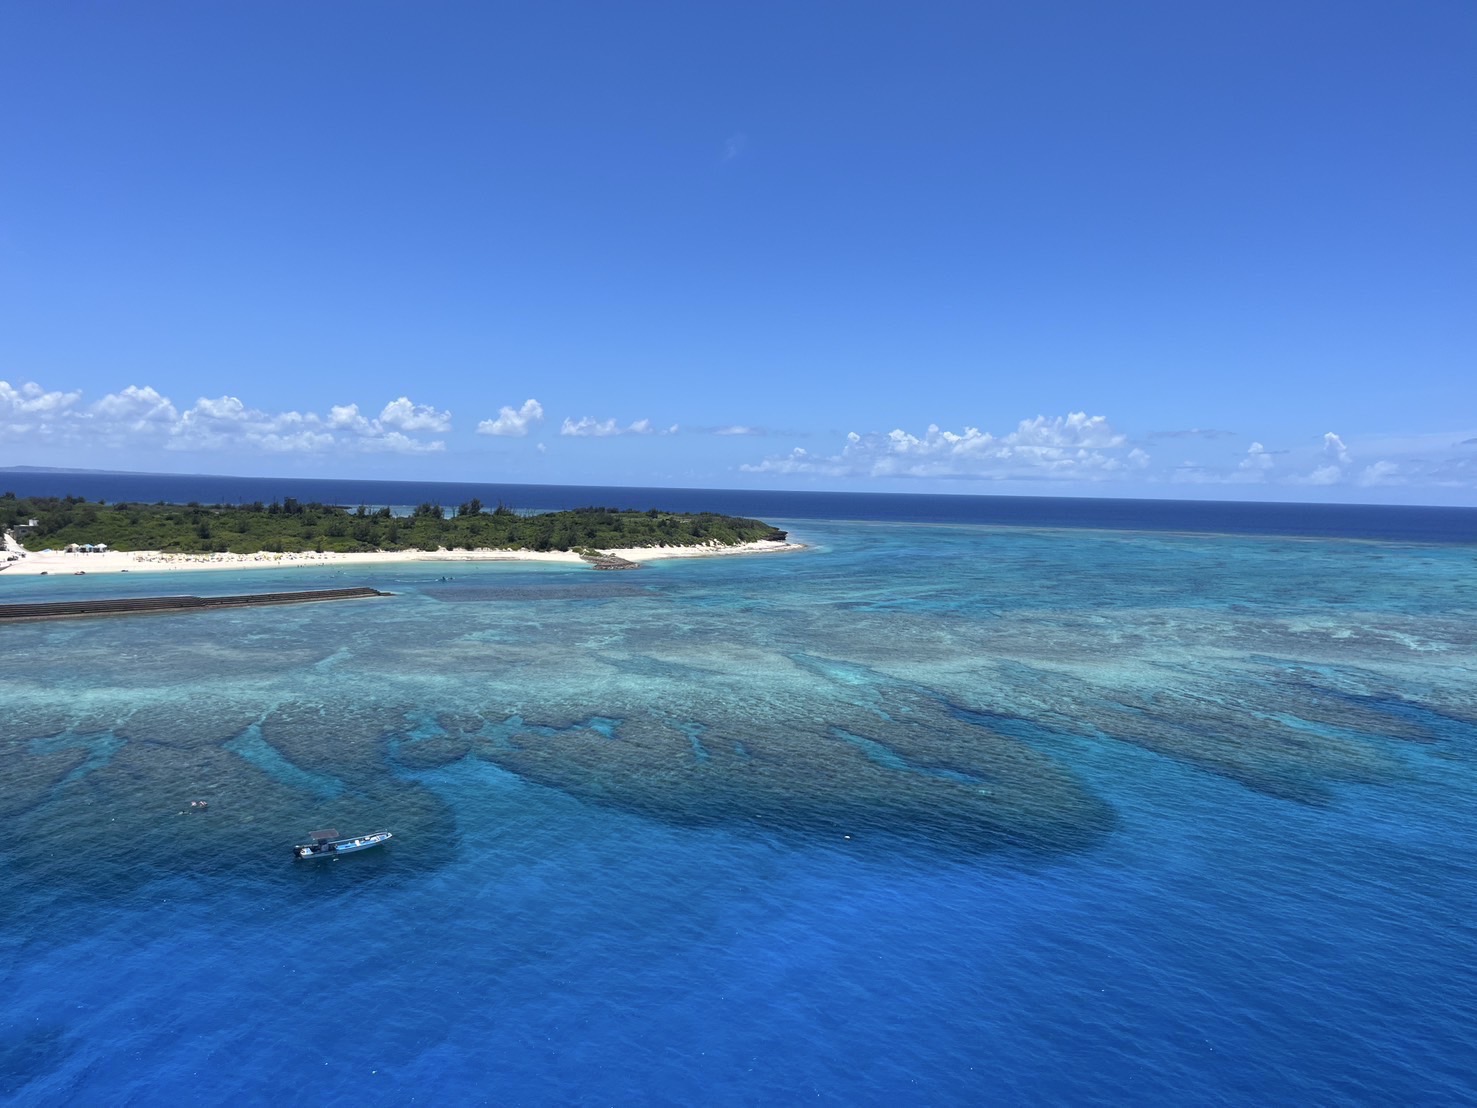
(1219, 250)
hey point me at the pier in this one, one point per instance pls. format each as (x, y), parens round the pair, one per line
(70, 609)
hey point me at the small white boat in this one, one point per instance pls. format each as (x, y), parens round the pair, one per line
(327, 844)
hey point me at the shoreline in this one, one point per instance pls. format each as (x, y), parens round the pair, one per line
(63, 563)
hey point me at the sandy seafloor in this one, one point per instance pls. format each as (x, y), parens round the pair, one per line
(920, 815)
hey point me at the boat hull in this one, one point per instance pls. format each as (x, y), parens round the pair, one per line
(308, 852)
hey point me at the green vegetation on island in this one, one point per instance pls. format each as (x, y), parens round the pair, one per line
(287, 526)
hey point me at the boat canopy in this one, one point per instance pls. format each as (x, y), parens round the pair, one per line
(323, 836)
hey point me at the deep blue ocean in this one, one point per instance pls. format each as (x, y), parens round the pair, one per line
(974, 800)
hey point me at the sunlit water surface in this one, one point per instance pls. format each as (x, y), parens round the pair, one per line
(923, 814)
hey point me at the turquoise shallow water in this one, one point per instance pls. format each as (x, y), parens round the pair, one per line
(924, 814)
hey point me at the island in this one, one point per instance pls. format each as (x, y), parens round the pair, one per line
(72, 534)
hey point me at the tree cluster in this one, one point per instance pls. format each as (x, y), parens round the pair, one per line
(289, 526)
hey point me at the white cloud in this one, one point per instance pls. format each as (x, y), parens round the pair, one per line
(1330, 472)
(347, 416)
(605, 428)
(1076, 446)
(798, 460)
(225, 409)
(142, 417)
(738, 430)
(1380, 473)
(397, 442)
(1257, 461)
(513, 422)
(1320, 466)
(302, 442)
(405, 416)
(30, 412)
(1433, 459)
(225, 422)
(1428, 459)
(589, 428)
(734, 146)
(30, 399)
(136, 408)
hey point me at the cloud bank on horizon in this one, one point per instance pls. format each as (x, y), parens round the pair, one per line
(138, 427)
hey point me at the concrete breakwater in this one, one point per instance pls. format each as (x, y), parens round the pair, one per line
(67, 609)
(610, 561)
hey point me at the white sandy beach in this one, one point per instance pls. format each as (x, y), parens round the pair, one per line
(38, 562)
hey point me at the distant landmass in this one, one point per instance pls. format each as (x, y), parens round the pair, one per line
(94, 472)
(289, 526)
